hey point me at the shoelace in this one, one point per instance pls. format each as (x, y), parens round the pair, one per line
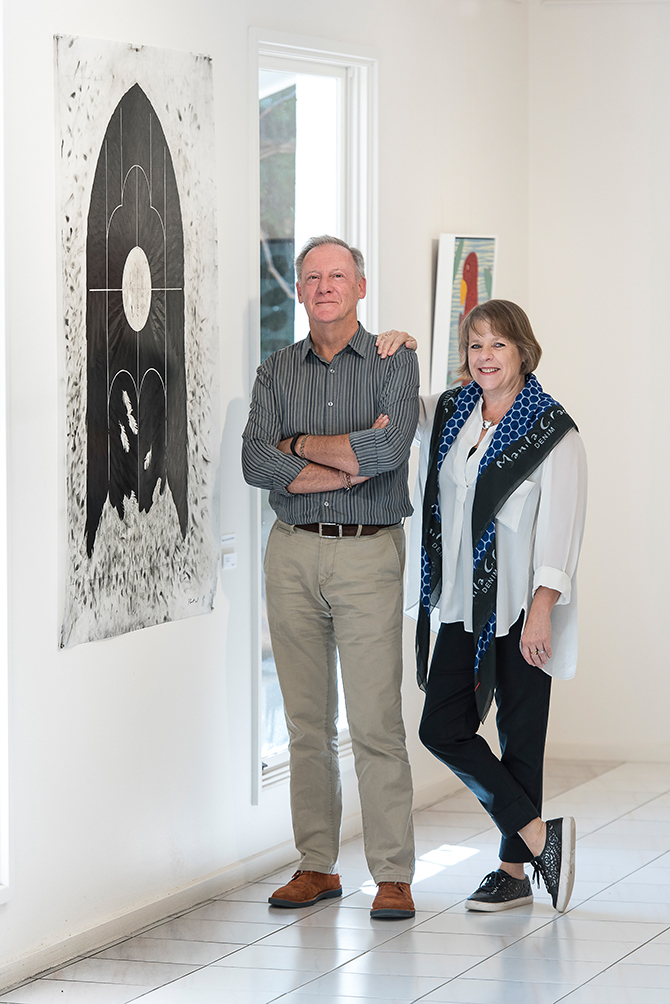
(537, 871)
(490, 882)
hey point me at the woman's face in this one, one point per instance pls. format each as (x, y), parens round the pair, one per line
(495, 362)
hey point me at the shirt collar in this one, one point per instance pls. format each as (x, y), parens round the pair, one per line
(358, 343)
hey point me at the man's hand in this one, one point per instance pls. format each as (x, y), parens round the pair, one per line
(388, 342)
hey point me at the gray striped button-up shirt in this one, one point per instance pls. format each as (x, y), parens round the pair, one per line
(298, 391)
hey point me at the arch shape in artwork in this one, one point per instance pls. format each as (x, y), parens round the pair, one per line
(136, 377)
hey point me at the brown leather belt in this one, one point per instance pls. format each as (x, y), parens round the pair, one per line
(343, 529)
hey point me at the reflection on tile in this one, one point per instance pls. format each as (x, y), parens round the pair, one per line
(467, 991)
(351, 917)
(599, 909)
(175, 993)
(304, 997)
(189, 929)
(654, 953)
(225, 979)
(145, 949)
(445, 965)
(604, 930)
(544, 945)
(611, 947)
(480, 945)
(299, 936)
(631, 975)
(258, 913)
(402, 988)
(51, 991)
(628, 891)
(591, 994)
(313, 960)
(257, 893)
(508, 968)
(510, 923)
(124, 971)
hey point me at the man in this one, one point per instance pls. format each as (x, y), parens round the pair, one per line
(329, 433)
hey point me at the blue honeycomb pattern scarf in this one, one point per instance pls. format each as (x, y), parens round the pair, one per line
(523, 438)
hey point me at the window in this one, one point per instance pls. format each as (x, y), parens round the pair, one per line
(4, 671)
(316, 155)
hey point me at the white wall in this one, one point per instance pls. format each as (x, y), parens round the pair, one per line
(599, 265)
(131, 758)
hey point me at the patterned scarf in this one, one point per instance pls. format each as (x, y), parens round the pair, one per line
(523, 438)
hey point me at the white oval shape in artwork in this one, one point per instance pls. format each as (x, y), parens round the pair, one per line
(136, 288)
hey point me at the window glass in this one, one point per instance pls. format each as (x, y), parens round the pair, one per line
(301, 174)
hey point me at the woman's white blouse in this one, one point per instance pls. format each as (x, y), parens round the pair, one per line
(538, 535)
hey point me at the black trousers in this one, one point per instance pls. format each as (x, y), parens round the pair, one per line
(509, 788)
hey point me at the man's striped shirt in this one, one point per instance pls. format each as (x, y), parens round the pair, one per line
(298, 391)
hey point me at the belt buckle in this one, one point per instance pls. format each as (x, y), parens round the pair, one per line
(321, 526)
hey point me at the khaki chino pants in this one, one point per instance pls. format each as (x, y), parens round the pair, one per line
(323, 594)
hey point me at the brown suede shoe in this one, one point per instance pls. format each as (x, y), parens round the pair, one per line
(392, 902)
(306, 888)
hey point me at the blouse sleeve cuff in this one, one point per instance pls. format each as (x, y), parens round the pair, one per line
(553, 578)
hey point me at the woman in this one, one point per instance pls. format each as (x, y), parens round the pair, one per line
(503, 479)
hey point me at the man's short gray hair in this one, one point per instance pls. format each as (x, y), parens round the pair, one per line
(315, 242)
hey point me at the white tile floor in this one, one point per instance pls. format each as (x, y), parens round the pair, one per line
(611, 947)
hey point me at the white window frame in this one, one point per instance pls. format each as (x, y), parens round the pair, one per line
(360, 201)
(5, 890)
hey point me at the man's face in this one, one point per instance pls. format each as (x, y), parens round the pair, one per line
(329, 287)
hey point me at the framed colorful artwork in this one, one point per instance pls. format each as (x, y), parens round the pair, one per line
(465, 277)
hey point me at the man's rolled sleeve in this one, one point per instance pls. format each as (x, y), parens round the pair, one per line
(381, 450)
(263, 465)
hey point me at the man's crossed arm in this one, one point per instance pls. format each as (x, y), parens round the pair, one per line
(330, 457)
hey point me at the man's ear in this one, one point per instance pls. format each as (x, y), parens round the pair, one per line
(362, 288)
(297, 289)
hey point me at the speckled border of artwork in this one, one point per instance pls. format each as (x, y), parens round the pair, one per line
(142, 572)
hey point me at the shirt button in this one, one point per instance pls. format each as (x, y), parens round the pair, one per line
(326, 503)
(332, 371)
(330, 404)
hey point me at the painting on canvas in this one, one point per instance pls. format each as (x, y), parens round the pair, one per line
(465, 277)
(139, 293)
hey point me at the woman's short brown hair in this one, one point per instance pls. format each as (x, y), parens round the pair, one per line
(508, 321)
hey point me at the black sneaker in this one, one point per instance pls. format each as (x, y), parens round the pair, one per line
(556, 863)
(500, 891)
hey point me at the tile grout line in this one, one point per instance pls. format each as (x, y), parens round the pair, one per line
(185, 913)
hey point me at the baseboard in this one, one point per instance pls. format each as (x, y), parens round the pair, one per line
(136, 921)
(633, 752)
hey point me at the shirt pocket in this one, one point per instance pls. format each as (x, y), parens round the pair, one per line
(510, 514)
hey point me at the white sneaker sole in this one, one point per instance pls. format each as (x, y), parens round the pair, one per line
(473, 904)
(566, 879)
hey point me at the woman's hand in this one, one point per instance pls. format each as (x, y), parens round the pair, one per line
(536, 637)
(389, 341)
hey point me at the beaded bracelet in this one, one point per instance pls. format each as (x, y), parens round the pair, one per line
(301, 448)
(294, 441)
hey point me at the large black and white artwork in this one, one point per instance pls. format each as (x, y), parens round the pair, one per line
(139, 306)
